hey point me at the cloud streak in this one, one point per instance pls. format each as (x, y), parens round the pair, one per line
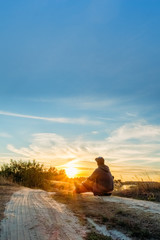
(81, 121)
(85, 103)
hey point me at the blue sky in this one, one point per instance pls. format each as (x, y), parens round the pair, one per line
(81, 79)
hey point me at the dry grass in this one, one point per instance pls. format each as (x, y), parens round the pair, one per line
(149, 191)
(95, 236)
(136, 224)
(7, 188)
(60, 185)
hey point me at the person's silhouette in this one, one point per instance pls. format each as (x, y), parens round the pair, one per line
(100, 182)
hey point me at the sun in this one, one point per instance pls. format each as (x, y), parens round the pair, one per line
(71, 172)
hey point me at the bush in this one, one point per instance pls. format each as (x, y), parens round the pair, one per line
(31, 174)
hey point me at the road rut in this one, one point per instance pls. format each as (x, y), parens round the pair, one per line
(34, 215)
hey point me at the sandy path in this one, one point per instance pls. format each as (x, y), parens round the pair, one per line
(34, 215)
(145, 206)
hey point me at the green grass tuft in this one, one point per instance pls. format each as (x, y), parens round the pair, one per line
(96, 236)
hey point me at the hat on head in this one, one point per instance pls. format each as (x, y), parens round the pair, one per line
(99, 160)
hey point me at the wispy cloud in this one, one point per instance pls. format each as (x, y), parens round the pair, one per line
(131, 114)
(95, 132)
(136, 131)
(82, 103)
(91, 103)
(82, 121)
(5, 135)
(119, 149)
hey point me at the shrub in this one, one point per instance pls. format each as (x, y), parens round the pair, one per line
(29, 173)
(32, 174)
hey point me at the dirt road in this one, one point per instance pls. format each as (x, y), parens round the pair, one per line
(33, 215)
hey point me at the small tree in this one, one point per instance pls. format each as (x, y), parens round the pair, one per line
(29, 173)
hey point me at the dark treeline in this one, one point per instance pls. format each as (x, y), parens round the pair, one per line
(31, 173)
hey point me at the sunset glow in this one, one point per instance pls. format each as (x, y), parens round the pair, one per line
(81, 80)
(71, 172)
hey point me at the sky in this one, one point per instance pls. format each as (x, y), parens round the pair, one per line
(81, 79)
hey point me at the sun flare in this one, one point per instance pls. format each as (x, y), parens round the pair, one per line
(71, 172)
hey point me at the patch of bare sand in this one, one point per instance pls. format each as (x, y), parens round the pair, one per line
(142, 205)
(34, 215)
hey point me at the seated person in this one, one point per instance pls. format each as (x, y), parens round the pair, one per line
(100, 182)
